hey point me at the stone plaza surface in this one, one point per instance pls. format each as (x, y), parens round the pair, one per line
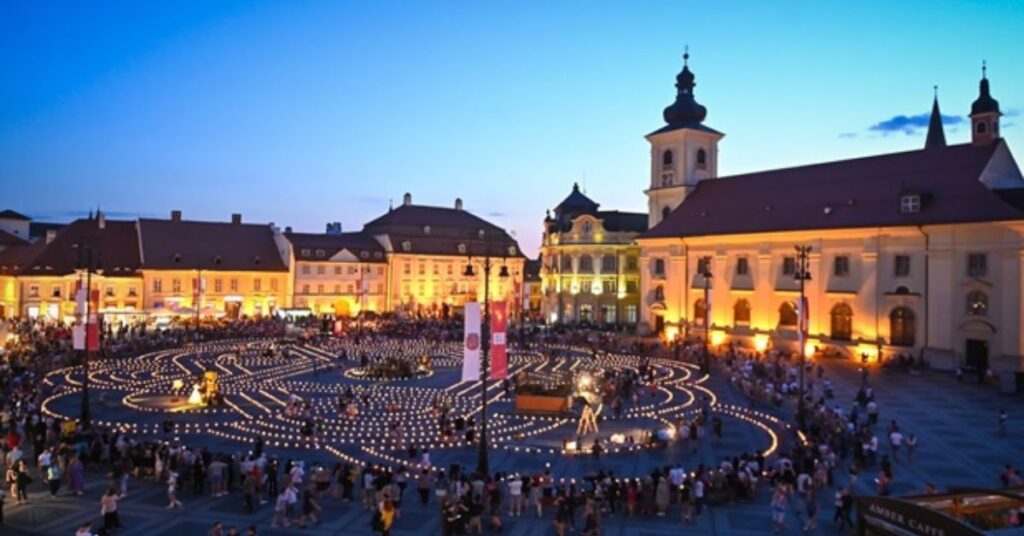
(955, 424)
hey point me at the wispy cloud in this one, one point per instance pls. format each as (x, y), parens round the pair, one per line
(496, 214)
(911, 124)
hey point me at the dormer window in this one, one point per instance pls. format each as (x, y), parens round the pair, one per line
(426, 229)
(304, 252)
(407, 246)
(320, 253)
(216, 260)
(702, 159)
(177, 258)
(587, 227)
(256, 260)
(462, 248)
(910, 203)
(364, 254)
(666, 159)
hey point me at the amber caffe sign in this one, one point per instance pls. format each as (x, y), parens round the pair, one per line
(885, 516)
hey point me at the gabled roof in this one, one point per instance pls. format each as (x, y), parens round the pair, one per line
(321, 247)
(440, 231)
(218, 246)
(115, 250)
(7, 239)
(863, 192)
(8, 214)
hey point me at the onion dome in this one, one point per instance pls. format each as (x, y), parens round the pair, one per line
(984, 103)
(685, 110)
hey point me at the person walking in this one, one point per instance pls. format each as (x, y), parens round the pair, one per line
(172, 490)
(515, 493)
(108, 507)
(1003, 418)
(53, 476)
(780, 502)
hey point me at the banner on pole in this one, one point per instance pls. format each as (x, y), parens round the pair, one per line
(78, 331)
(499, 347)
(471, 343)
(92, 333)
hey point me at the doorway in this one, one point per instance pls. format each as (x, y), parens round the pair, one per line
(977, 355)
(232, 309)
(659, 324)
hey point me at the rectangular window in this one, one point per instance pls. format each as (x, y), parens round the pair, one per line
(659, 267)
(109, 292)
(423, 270)
(351, 270)
(305, 269)
(305, 289)
(610, 286)
(273, 285)
(158, 285)
(977, 265)
(257, 285)
(841, 266)
(788, 266)
(319, 289)
(586, 264)
(350, 289)
(380, 270)
(337, 288)
(566, 263)
(320, 270)
(437, 269)
(703, 265)
(608, 264)
(742, 266)
(901, 265)
(631, 264)
(631, 314)
(132, 293)
(337, 270)
(218, 286)
(407, 269)
(630, 287)
(55, 292)
(33, 291)
(233, 285)
(175, 285)
(910, 203)
(449, 269)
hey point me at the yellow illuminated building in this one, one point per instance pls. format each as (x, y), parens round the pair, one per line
(589, 267)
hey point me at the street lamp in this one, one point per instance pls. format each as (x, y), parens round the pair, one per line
(802, 275)
(705, 271)
(482, 464)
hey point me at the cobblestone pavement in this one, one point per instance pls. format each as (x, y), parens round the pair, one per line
(957, 446)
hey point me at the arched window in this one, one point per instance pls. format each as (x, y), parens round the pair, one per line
(741, 312)
(659, 293)
(842, 322)
(702, 158)
(981, 128)
(700, 312)
(787, 314)
(666, 159)
(977, 303)
(902, 327)
(665, 212)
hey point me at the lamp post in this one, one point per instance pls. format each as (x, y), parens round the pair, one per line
(802, 275)
(482, 463)
(705, 271)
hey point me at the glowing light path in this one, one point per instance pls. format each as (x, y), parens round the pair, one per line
(258, 383)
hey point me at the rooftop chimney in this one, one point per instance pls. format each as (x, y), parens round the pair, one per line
(175, 215)
(458, 203)
(236, 218)
(407, 199)
(50, 235)
(288, 229)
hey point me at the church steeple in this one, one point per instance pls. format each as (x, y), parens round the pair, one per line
(936, 136)
(685, 111)
(984, 113)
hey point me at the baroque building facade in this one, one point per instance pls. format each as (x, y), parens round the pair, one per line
(917, 253)
(589, 263)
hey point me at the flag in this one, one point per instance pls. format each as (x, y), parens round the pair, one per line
(471, 343)
(78, 331)
(499, 349)
(92, 333)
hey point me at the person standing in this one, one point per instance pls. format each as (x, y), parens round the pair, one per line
(53, 475)
(515, 493)
(172, 490)
(780, 502)
(108, 507)
(249, 493)
(1003, 418)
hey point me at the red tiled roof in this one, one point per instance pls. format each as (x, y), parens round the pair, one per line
(186, 245)
(362, 245)
(115, 249)
(440, 231)
(864, 192)
(7, 239)
(14, 259)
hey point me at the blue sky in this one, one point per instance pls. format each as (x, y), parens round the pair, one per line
(306, 112)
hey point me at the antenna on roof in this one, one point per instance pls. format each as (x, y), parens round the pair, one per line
(391, 205)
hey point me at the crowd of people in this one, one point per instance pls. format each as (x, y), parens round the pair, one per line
(839, 442)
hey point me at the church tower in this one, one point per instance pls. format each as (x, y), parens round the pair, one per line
(683, 152)
(984, 114)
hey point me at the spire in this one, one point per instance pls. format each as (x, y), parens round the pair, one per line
(685, 110)
(936, 136)
(984, 103)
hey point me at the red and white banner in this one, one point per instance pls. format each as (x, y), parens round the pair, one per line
(471, 343)
(92, 334)
(499, 348)
(78, 331)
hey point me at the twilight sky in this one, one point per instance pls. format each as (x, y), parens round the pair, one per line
(306, 112)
